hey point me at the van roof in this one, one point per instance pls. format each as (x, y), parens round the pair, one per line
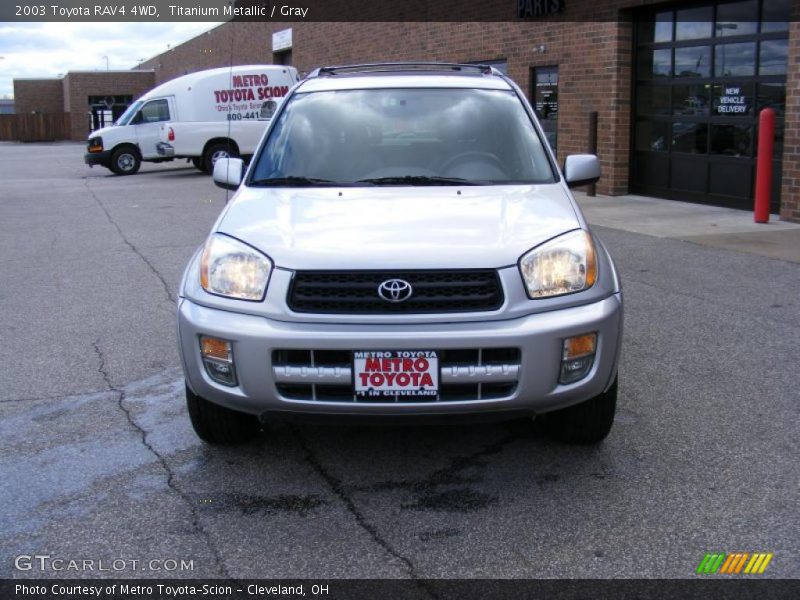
(189, 77)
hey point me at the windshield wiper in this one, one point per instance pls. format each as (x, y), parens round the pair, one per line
(418, 180)
(293, 181)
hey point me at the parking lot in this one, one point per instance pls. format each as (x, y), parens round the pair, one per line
(99, 460)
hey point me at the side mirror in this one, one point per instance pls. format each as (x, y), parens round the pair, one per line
(581, 169)
(228, 172)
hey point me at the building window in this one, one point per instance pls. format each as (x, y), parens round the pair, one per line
(104, 110)
(773, 57)
(282, 58)
(545, 101)
(737, 18)
(693, 23)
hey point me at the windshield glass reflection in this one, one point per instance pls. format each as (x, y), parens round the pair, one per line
(403, 137)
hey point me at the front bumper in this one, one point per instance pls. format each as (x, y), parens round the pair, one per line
(98, 158)
(538, 337)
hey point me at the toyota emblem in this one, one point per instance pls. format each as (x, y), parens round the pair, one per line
(395, 290)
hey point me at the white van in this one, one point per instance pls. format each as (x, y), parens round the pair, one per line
(229, 105)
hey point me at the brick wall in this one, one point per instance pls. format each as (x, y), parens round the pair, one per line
(790, 190)
(38, 96)
(238, 44)
(78, 86)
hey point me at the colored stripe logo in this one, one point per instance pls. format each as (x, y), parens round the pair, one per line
(734, 563)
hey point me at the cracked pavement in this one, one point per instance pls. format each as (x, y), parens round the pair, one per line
(98, 459)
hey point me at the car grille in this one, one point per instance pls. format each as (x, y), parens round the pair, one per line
(356, 292)
(465, 375)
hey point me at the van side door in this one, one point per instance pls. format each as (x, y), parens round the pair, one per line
(148, 125)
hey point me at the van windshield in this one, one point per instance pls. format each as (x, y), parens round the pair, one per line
(403, 137)
(129, 112)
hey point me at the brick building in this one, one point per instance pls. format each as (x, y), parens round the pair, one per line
(92, 98)
(677, 85)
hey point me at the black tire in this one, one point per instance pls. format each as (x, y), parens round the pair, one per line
(586, 423)
(198, 164)
(216, 424)
(219, 150)
(125, 161)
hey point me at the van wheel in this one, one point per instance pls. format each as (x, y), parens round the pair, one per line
(125, 161)
(586, 423)
(216, 424)
(198, 164)
(215, 151)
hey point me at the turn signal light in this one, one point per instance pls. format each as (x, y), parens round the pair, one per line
(577, 357)
(215, 348)
(578, 346)
(218, 360)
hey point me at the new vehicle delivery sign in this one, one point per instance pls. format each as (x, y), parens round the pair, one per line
(402, 373)
(248, 95)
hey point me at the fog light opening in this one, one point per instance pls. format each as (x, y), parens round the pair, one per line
(217, 357)
(577, 357)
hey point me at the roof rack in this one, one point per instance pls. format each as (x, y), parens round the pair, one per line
(390, 67)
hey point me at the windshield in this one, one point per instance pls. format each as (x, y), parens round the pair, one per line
(403, 137)
(129, 112)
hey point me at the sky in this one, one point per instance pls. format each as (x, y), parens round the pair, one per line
(52, 49)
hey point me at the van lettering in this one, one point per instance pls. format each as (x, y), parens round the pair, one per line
(237, 95)
(250, 80)
(278, 91)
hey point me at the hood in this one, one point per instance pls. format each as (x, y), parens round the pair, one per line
(398, 227)
(102, 131)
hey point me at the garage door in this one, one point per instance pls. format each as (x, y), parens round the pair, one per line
(702, 74)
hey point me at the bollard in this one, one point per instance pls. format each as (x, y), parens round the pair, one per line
(766, 136)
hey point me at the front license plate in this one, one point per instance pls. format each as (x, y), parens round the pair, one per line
(387, 374)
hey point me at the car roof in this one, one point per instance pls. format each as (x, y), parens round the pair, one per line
(404, 75)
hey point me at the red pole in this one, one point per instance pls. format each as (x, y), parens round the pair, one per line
(766, 135)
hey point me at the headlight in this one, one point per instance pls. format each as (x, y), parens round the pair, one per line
(233, 269)
(563, 265)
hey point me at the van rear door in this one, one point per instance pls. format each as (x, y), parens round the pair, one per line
(148, 124)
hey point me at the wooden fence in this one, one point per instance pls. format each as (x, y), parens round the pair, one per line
(35, 128)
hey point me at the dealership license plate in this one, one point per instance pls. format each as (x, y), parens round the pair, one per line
(390, 374)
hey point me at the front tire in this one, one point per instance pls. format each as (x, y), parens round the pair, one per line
(126, 161)
(216, 424)
(586, 423)
(216, 151)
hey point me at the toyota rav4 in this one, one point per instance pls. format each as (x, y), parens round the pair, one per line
(403, 245)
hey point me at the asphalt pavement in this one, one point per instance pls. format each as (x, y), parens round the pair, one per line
(98, 460)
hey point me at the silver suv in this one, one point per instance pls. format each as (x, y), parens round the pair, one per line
(402, 245)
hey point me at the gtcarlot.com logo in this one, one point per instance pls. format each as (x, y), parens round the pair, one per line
(48, 563)
(734, 563)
